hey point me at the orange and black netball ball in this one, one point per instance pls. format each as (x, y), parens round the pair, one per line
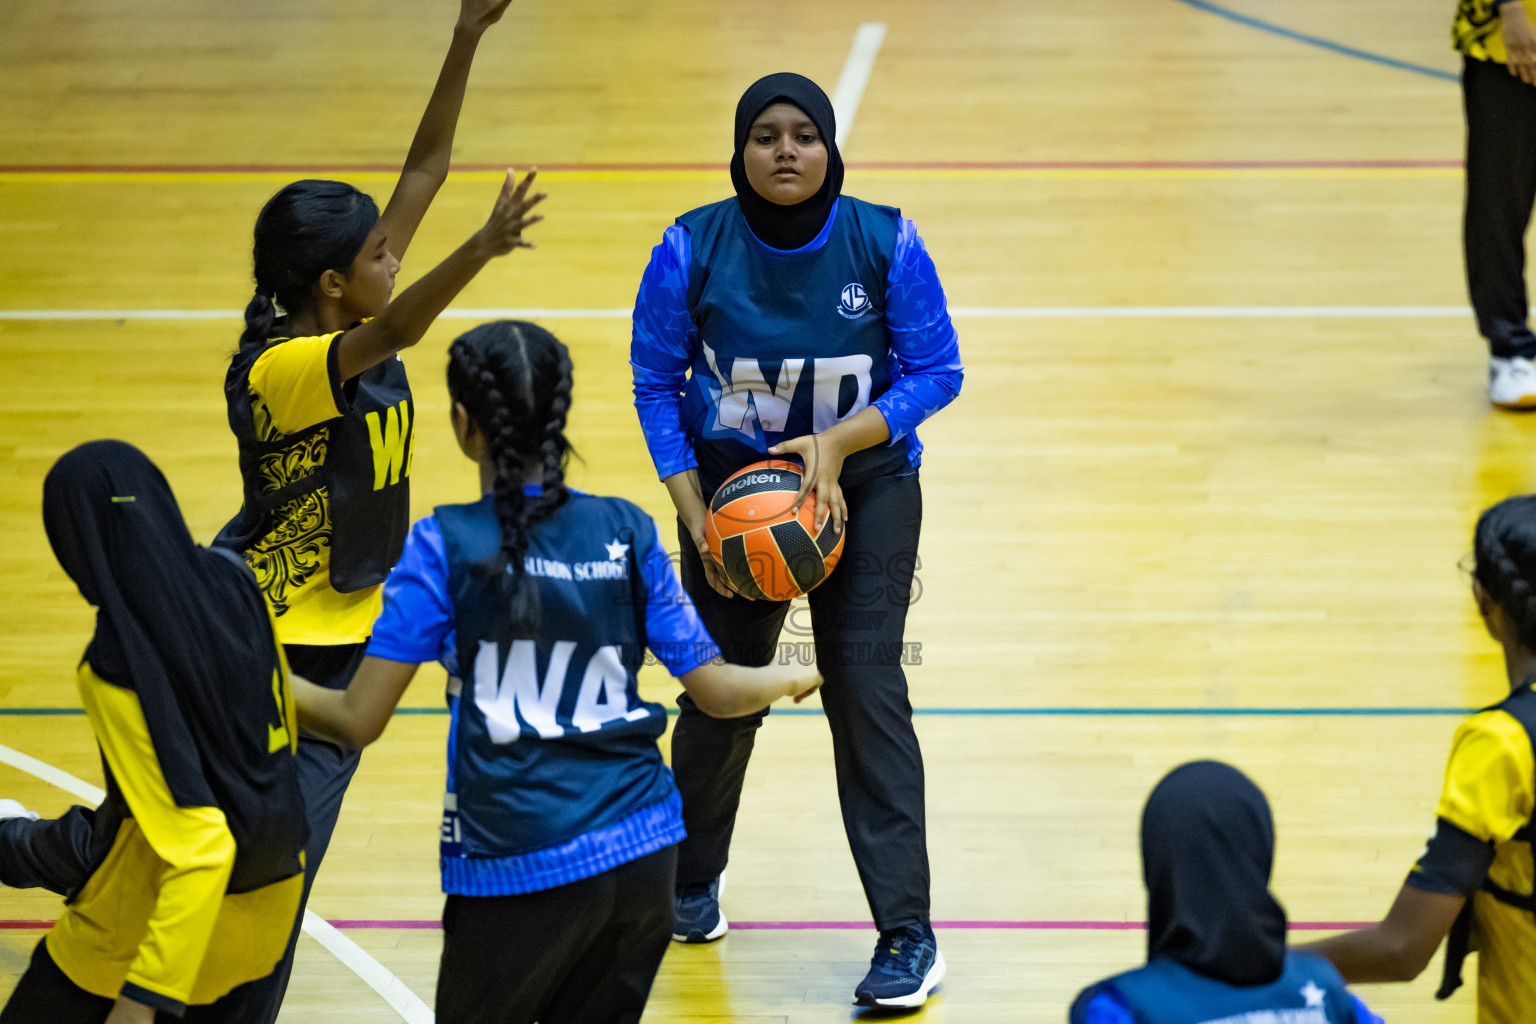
(768, 548)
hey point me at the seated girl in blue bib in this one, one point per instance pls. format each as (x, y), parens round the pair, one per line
(560, 820)
(1216, 949)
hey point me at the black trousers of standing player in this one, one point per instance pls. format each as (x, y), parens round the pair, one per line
(582, 953)
(858, 615)
(56, 854)
(1501, 189)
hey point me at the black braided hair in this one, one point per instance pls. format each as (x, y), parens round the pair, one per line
(309, 227)
(514, 380)
(1504, 546)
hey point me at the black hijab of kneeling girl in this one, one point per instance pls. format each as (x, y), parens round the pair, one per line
(187, 630)
(787, 227)
(1207, 848)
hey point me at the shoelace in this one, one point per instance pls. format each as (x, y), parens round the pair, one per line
(897, 954)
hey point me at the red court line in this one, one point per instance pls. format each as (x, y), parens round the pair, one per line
(1005, 165)
(1038, 926)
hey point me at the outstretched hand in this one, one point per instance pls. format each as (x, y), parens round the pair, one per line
(823, 461)
(1520, 40)
(509, 217)
(479, 15)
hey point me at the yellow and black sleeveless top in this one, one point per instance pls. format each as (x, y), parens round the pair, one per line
(1476, 31)
(325, 465)
(1486, 808)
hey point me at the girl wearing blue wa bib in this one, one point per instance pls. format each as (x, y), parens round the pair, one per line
(794, 320)
(560, 820)
(1216, 949)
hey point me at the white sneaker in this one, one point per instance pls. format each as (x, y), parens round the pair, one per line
(1512, 382)
(14, 809)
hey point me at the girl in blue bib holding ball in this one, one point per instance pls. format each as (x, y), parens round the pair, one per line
(793, 320)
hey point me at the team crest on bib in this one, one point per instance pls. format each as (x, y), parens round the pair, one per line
(853, 302)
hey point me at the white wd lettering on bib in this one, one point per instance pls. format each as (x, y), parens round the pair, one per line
(747, 400)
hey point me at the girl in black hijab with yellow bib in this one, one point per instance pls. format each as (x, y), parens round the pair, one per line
(188, 885)
(794, 320)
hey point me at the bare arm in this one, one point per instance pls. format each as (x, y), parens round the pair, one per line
(426, 165)
(356, 716)
(1398, 948)
(407, 318)
(730, 691)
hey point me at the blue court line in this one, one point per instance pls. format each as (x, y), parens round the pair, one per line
(1384, 712)
(1318, 41)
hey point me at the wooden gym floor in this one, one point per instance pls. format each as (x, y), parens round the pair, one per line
(1222, 439)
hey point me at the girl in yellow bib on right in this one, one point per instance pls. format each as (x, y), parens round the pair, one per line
(1474, 882)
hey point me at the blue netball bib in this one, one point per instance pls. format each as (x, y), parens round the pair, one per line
(792, 342)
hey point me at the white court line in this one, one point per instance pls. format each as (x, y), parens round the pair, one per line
(404, 1002)
(855, 76)
(967, 312)
(376, 975)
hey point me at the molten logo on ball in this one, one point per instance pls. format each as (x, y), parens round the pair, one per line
(768, 549)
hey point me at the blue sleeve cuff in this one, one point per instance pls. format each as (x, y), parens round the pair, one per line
(1363, 1014)
(1104, 1008)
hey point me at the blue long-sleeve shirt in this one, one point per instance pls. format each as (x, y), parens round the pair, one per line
(922, 359)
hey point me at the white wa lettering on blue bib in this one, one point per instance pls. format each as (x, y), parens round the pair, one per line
(516, 696)
(747, 399)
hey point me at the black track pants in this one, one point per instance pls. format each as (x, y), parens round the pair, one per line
(583, 953)
(1501, 188)
(858, 616)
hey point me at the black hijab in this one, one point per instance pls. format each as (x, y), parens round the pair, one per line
(1207, 848)
(787, 227)
(187, 630)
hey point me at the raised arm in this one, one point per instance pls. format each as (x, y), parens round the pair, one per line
(426, 165)
(407, 318)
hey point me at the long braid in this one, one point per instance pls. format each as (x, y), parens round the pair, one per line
(513, 379)
(1505, 550)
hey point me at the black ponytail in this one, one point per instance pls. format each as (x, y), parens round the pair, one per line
(514, 380)
(1504, 546)
(309, 227)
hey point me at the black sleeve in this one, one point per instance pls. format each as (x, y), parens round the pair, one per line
(1454, 863)
(56, 854)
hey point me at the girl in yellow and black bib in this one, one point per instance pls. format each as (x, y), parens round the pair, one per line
(1474, 882)
(184, 882)
(322, 409)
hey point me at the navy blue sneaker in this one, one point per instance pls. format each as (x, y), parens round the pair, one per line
(907, 966)
(696, 913)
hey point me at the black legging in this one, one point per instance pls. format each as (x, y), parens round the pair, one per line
(858, 616)
(581, 953)
(1501, 188)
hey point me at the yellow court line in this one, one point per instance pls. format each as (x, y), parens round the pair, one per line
(651, 176)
